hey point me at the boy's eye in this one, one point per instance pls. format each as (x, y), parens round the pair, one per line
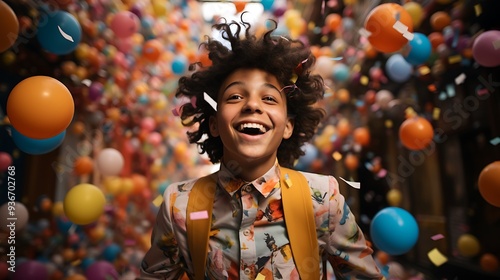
(269, 98)
(234, 97)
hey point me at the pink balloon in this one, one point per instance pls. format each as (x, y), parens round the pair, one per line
(124, 24)
(5, 161)
(110, 162)
(124, 45)
(155, 138)
(148, 124)
(486, 49)
(31, 270)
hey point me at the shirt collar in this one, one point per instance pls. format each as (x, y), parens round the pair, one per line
(264, 184)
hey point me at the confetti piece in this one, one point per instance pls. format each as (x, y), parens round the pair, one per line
(364, 33)
(158, 200)
(288, 182)
(436, 112)
(450, 89)
(65, 35)
(408, 35)
(76, 262)
(437, 237)
(496, 44)
(432, 87)
(482, 91)
(129, 242)
(400, 27)
(337, 156)
(382, 173)
(364, 80)
(356, 185)
(87, 82)
(460, 79)
(200, 215)
(424, 70)
(260, 276)
(277, 185)
(495, 141)
(454, 59)
(478, 9)
(388, 123)
(443, 96)
(210, 101)
(436, 257)
(337, 58)
(410, 112)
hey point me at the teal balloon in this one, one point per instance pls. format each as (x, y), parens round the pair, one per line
(179, 65)
(340, 72)
(398, 69)
(59, 32)
(394, 231)
(267, 4)
(37, 146)
(420, 49)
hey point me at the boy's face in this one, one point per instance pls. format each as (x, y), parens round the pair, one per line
(251, 117)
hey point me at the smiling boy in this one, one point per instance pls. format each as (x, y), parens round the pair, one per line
(266, 110)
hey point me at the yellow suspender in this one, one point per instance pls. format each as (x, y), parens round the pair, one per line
(300, 225)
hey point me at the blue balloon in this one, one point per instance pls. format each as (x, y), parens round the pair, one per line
(340, 72)
(111, 252)
(420, 49)
(59, 32)
(37, 146)
(394, 230)
(267, 4)
(179, 65)
(398, 69)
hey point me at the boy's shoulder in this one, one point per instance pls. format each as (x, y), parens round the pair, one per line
(181, 186)
(318, 181)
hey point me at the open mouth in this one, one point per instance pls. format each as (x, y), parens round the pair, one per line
(251, 128)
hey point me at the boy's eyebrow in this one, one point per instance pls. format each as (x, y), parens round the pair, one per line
(268, 85)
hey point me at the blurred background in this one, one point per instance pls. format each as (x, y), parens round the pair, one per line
(89, 137)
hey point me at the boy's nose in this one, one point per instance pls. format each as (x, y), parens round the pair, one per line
(252, 105)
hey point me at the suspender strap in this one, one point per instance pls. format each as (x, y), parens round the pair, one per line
(201, 198)
(300, 224)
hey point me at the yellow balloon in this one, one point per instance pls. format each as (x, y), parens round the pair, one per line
(112, 184)
(127, 185)
(468, 245)
(394, 197)
(84, 203)
(416, 12)
(58, 209)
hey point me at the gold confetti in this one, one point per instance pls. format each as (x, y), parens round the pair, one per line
(436, 257)
(435, 113)
(410, 113)
(478, 9)
(288, 182)
(454, 59)
(364, 80)
(260, 277)
(337, 156)
(424, 70)
(158, 200)
(388, 123)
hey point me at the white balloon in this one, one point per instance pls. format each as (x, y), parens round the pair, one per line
(110, 162)
(13, 216)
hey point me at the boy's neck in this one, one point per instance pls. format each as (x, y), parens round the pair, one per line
(249, 170)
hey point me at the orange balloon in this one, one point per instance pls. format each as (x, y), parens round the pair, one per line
(9, 27)
(333, 21)
(40, 107)
(382, 257)
(240, 6)
(343, 128)
(489, 262)
(83, 165)
(489, 183)
(152, 49)
(416, 133)
(439, 20)
(140, 183)
(436, 39)
(362, 136)
(351, 162)
(380, 21)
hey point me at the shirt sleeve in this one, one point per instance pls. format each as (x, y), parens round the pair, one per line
(347, 249)
(163, 260)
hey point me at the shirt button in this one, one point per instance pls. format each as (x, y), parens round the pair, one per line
(246, 232)
(248, 188)
(247, 271)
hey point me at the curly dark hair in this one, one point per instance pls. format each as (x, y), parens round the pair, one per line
(287, 59)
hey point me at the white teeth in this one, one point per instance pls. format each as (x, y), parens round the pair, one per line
(252, 125)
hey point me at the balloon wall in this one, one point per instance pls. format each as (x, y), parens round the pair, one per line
(95, 83)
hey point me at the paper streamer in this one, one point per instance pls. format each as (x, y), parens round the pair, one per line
(210, 101)
(436, 257)
(356, 185)
(200, 215)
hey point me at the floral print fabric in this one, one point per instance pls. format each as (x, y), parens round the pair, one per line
(248, 235)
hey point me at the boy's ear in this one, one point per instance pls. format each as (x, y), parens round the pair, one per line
(288, 128)
(212, 124)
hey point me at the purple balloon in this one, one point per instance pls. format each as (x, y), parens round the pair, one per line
(95, 91)
(101, 270)
(31, 270)
(486, 49)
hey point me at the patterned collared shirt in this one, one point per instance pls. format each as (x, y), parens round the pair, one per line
(248, 235)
